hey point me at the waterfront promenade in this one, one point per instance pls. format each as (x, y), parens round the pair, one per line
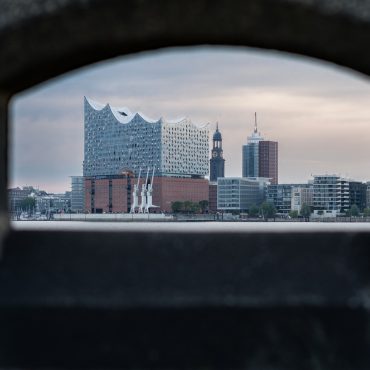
(196, 227)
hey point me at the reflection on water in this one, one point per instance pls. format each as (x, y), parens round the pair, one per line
(197, 227)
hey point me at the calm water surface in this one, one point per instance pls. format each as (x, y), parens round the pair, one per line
(192, 226)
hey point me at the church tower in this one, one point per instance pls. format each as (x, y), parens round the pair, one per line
(217, 162)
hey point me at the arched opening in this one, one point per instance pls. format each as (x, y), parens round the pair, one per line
(314, 112)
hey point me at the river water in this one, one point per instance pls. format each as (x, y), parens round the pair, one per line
(197, 227)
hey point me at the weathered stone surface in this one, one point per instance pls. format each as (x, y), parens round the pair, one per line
(41, 39)
(256, 301)
(184, 269)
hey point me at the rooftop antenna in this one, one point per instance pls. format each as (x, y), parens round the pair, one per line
(217, 126)
(255, 122)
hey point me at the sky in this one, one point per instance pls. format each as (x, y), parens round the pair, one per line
(318, 112)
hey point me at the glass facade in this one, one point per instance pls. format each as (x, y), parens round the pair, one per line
(77, 193)
(117, 140)
(250, 160)
(238, 194)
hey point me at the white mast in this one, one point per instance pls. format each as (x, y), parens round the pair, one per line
(150, 194)
(135, 195)
(142, 207)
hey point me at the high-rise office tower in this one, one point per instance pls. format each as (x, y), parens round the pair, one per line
(260, 157)
(268, 160)
(251, 153)
(217, 162)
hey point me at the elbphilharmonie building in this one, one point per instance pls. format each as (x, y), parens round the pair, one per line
(117, 140)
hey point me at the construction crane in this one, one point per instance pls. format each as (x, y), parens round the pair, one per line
(135, 195)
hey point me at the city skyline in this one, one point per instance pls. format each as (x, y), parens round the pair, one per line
(318, 113)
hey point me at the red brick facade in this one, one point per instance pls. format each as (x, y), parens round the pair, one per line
(268, 160)
(106, 195)
(112, 194)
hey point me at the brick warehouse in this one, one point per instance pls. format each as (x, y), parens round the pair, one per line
(113, 194)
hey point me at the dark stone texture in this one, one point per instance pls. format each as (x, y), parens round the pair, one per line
(41, 39)
(301, 338)
(183, 269)
(256, 301)
(200, 301)
(3, 167)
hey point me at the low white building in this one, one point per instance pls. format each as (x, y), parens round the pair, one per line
(331, 193)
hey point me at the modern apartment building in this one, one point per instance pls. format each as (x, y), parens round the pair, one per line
(331, 193)
(280, 195)
(260, 157)
(117, 140)
(357, 194)
(301, 194)
(368, 194)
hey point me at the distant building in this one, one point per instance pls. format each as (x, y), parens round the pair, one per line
(268, 160)
(280, 195)
(301, 194)
(357, 194)
(250, 154)
(53, 203)
(217, 162)
(117, 140)
(113, 194)
(260, 157)
(331, 193)
(240, 194)
(77, 193)
(212, 200)
(16, 196)
(368, 194)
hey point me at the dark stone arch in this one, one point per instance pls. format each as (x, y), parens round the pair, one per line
(44, 38)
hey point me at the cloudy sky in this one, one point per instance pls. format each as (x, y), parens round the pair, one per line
(319, 113)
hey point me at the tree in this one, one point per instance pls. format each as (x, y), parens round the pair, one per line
(267, 210)
(305, 211)
(177, 206)
(195, 207)
(354, 210)
(28, 204)
(367, 212)
(188, 206)
(203, 204)
(293, 214)
(253, 211)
